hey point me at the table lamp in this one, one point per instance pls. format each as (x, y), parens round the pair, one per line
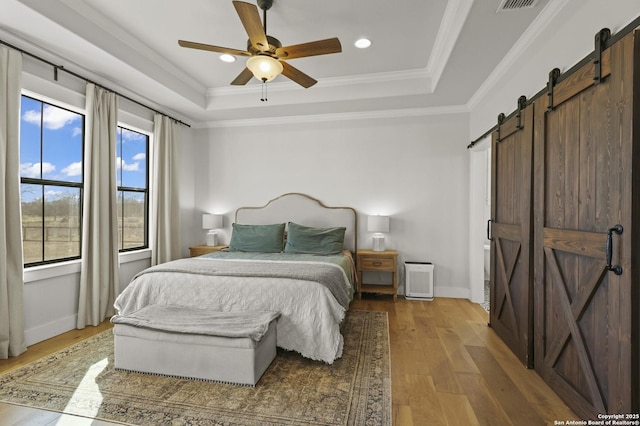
(212, 222)
(378, 224)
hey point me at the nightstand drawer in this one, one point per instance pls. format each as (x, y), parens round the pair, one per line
(375, 263)
(200, 250)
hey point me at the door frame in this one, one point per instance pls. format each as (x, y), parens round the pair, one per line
(479, 213)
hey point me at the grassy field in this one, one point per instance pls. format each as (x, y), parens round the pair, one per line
(61, 237)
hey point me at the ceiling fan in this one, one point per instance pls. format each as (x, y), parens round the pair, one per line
(267, 56)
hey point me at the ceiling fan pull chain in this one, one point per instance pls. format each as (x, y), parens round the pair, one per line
(264, 92)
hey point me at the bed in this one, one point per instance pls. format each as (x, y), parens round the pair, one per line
(309, 279)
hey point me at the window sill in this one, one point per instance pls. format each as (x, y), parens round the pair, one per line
(43, 272)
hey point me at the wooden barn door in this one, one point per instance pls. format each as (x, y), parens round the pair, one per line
(586, 319)
(511, 236)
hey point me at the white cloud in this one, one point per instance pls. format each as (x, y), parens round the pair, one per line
(32, 117)
(54, 118)
(73, 169)
(121, 164)
(128, 135)
(33, 169)
(52, 194)
(139, 156)
(77, 131)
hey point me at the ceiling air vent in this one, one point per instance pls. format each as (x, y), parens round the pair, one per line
(506, 5)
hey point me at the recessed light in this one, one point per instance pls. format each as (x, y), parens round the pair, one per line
(227, 58)
(363, 43)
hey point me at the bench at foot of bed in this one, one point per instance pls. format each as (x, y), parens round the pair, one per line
(182, 342)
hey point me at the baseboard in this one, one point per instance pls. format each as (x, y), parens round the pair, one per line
(452, 292)
(440, 291)
(50, 329)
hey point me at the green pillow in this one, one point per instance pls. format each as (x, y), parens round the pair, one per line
(257, 238)
(306, 239)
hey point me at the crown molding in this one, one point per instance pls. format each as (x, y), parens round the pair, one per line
(348, 116)
(537, 27)
(455, 15)
(329, 82)
(79, 18)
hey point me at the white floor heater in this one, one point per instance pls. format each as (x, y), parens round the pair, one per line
(418, 280)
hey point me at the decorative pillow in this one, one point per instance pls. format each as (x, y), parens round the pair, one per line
(306, 239)
(257, 238)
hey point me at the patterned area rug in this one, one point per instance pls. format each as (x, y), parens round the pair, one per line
(81, 380)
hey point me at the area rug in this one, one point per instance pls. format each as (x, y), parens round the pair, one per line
(81, 380)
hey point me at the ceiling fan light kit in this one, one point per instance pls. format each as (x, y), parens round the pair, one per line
(264, 68)
(266, 54)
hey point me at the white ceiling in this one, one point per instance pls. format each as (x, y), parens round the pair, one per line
(425, 53)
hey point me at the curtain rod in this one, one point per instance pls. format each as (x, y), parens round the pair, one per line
(57, 68)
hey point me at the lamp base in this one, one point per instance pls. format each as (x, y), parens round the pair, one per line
(212, 238)
(378, 243)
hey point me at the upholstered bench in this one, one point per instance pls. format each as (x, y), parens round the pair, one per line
(232, 347)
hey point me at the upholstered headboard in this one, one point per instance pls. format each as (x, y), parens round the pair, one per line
(304, 210)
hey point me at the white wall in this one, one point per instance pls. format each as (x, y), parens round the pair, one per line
(565, 40)
(51, 295)
(413, 169)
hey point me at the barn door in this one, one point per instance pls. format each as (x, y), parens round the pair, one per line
(584, 346)
(511, 277)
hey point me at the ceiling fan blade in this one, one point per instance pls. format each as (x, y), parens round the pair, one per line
(313, 48)
(296, 75)
(242, 78)
(212, 48)
(250, 18)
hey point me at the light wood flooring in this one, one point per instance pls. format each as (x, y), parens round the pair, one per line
(448, 368)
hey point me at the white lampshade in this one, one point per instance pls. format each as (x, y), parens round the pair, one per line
(378, 224)
(211, 221)
(264, 68)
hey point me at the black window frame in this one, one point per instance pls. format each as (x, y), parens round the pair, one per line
(52, 182)
(126, 189)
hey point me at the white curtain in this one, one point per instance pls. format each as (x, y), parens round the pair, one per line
(12, 341)
(165, 198)
(99, 270)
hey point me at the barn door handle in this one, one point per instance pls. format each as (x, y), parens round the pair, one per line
(617, 269)
(489, 230)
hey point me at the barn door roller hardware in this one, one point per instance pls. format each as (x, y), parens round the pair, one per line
(553, 79)
(522, 104)
(601, 39)
(501, 118)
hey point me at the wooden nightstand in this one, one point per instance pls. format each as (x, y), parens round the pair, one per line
(200, 250)
(369, 260)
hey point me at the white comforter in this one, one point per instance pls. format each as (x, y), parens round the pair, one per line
(310, 315)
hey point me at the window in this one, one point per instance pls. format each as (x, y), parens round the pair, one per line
(51, 177)
(133, 193)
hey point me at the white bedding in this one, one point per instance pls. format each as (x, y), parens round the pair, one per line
(310, 315)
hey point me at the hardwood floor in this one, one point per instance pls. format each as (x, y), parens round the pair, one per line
(11, 415)
(448, 368)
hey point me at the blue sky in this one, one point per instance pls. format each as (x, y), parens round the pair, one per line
(61, 157)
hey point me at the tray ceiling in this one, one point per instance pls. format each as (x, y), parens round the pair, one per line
(424, 54)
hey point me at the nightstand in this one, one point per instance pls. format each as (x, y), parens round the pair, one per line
(200, 250)
(369, 260)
